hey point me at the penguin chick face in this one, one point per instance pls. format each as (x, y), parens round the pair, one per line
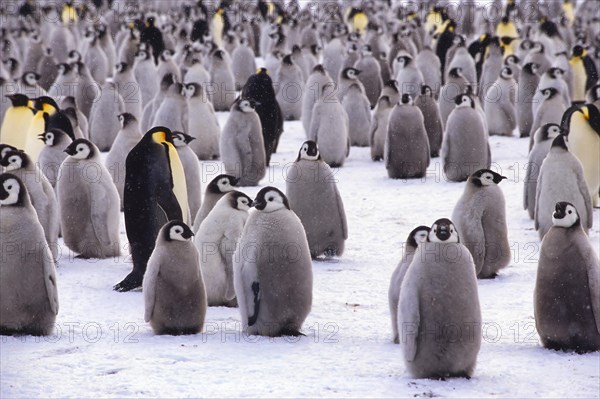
(464, 100)
(418, 236)
(5, 149)
(63, 68)
(247, 106)
(403, 61)
(11, 190)
(549, 92)
(192, 90)
(550, 131)
(177, 231)
(512, 60)
(121, 67)
(14, 160)
(142, 55)
(48, 138)
(240, 201)
(443, 230)
(565, 215)
(309, 151)
(74, 56)
(271, 199)
(406, 99)
(506, 73)
(125, 119)
(31, 78)
(560, 142)
(181, 139)
(486, 177)
(350, 73)
(556, 73)
(80, 149)
(222, 184)
(455, 72)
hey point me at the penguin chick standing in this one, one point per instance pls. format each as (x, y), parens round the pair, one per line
(415, 238)
(526, 87)
(465, 146)
(500, 104)
(290, 86)
(217, 188)
(216, 240)
(127, 138)
(432, 119)
(567, 288)
(242, 146)
(202, 123)
(329, 127)
(314, 197)
(480, 218)
(440, 291)
(272, 274)
(28, 292)
(89, 207)
(222, 82)
(316, 81)
(358, 109)
(561, 178)
(174, 293)
(191, 167)
(379, 127)
(53, 154)
(40, 192)
(406, 150)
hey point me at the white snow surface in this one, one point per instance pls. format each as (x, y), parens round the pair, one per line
(103, 348)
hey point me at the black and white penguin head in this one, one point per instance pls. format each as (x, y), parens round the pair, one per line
(532, 68)
(392, 84)
(565, 215)
(121, 67)
(406, 99)
(455, 72)
(464, 100)
(366, 50)
(81, 149)
(506, 73)
(176, 230)
(271, 199)
(63, 68)
(556, 73)
(309, 151)
(426, 91)
(512, 60)
(12, 190)
(142, 55)
(287, 60)
(549, 92)
(486, 177)
(403, 61)
(319, 69)
(222, 184)
(218, 55)
(5, 149)
(74, 56)
(578, 51)
(181, 139)
(89, 34)
(247, 105)
(443, 230)
(53, 137)
(31, 78)
(352, 48)
(550, 131)
(560, 142)
(15, 159)
(350, 73)
(538, 47)
(18, 100)
(125, 119)
(191, 90)
(240, 201)
(417, 236)
(166, 55)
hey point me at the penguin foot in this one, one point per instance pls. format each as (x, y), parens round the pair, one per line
(131, 282)
(291, 333)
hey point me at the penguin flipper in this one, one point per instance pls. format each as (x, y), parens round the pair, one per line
(585, 194)
(251, 286)
(168, 203)
(409, 330)
(593, 273)
(342, 212)
(538, 190)
(50, 281)
(99, 215)
(149, 287)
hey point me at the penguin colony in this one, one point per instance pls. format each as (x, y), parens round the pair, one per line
(415, 85)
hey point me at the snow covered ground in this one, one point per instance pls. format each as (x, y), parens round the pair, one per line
(103, 348)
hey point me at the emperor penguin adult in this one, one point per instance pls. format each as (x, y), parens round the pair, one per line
(329, 127)
(127, 138)
(583, 127)
(433, 120)
(500, 104)
(358, 109)
(440, 291)
(585, 74)
(28, 286)
(89, 206)
(567, 287)
(174, 291)
(217, 188)
(259, 88)
(550, 110)
(216, 240)
(191, 167)
(314, 197)
(561, 178)
(543, 138)
(316, 81)
(406, 150)
(290, 86)
(273, 287)
(202, 123)
(16, 121)
(379, 127)
(526, 88)
(370, 76)
(40, 192)
(53, 154)
(480, 218)
(242, 146)
(465, 125)
(414, 239)
(409, 77)
(222, 82)
(155, 192)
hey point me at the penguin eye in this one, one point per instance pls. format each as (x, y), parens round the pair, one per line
(270, 198)
(10, 188)
(570, 212)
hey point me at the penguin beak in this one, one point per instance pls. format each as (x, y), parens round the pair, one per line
(42, 137)
(559, 211)
(259, 204)
(235, 181)
(187, 234)
(443, 232)
(251, 204)
(70, 150)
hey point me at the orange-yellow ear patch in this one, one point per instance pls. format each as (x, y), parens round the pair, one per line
(159, 137)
